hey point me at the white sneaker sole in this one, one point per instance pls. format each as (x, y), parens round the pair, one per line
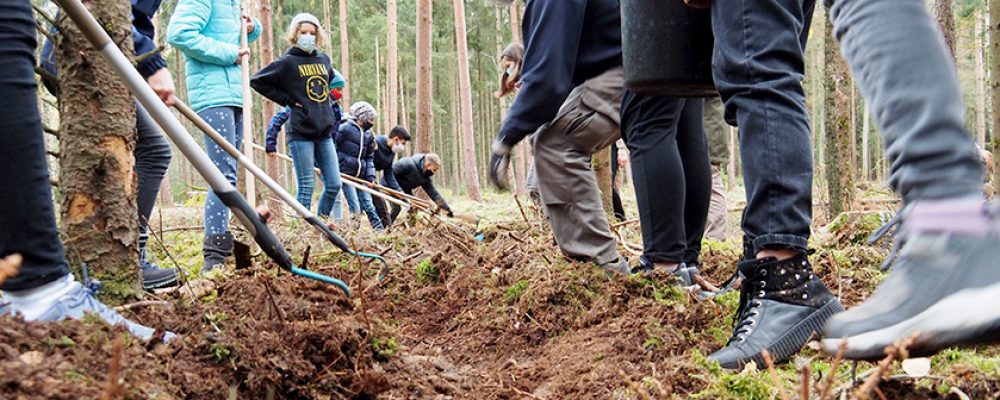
(968, 316)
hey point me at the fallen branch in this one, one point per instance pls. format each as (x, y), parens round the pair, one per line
(144, 303)
(774, 374)
(895, 352)
(634, 386)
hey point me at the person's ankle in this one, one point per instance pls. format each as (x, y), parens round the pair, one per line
(780, 254)
(667, 266)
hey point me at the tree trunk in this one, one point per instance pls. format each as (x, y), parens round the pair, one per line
(425, 105)
(994, 33)
(980, 81)
(465, 97)
(345, 53)
(392, 60)
(515, 22)
(946, 21)
(97, 125)
(273, 164)
(326, 24)
(248, 131)
(866, 144)
(839, 177)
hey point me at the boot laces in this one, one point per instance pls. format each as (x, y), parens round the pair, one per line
(92, 286)
(746, 315)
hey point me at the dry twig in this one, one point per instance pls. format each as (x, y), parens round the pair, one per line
(774, 374)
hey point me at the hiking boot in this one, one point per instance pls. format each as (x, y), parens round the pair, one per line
(618, 266)
(80, 301)
(684, 272)
(782, 303)
(943, 287)
(154, 277)
(216, 249)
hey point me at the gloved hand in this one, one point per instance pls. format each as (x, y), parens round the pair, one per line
(499, 165)
(450, 214)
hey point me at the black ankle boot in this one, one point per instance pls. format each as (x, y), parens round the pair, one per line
(216, 248)
(782, 303)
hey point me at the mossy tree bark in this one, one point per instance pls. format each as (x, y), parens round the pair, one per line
(99, 216)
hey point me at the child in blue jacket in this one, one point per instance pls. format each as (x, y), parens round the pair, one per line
(356, 150)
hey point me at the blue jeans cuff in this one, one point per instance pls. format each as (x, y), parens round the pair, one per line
(778, 240)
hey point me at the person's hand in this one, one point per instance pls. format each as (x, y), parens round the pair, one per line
(271, 153)
(250, 25)
(264, 213)
(10, 266)
(297, 104)
(244, 52)
(451, 214)
(622, 158)
(163, 84)
(499, 165)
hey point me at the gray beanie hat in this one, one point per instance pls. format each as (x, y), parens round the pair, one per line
(363, 111)
(303, 17)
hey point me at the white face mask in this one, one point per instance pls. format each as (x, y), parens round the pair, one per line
(510, 71)
(398, 148)
(306, 42)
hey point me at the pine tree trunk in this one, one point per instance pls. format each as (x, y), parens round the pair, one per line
(994, 34)
(97, 182)
(326, 25)
(866, 144)
(980, 81)
(392, 60)
(465, 97)
(345, 53)
(838, 163)
(946, 21)
(425, 106)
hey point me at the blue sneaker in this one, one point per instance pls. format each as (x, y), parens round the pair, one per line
(80, 300)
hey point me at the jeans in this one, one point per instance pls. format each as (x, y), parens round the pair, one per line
(27, 218)
(759, 76)
(228, 121)
(152, 158)
(905, 72)
(673, 179)
(354, 196)
(322, 154)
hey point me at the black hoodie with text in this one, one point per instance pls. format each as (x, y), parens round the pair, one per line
(303, 78)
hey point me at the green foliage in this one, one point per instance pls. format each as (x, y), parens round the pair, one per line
(427, 272)
(62, 341)
(514, 292)
(667, 293)
(221, 352)
(386, 347)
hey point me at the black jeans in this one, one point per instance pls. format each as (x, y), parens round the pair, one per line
(759, 76)
(673, 178)
(27, 217)
(152, 158)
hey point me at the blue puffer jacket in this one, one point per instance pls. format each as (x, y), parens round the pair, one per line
(356, 152)
(208, 33)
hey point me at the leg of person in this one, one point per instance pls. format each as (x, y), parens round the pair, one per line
(383, 213)
(693, 149)
(351, 196)
(566, 180)
(616, 197)
(44, 289)
(782, 303)
(329, 166)
(649, 126)
(718, 154)
(218, 240)
(152, 158)
(338, 201)
(365, 200)
(945, 281)
(303, 159)
(531, 183)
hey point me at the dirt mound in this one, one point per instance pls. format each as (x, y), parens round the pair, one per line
(257, 337)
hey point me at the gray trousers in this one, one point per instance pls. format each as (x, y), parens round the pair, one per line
(718, 209)
(587, 122)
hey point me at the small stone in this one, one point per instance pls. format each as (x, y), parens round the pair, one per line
(32, 358)
(917, 367)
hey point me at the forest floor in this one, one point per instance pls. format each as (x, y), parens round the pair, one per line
(505, 317)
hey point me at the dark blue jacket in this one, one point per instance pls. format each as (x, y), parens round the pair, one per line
(384, 156)
(356, 151)
(409, 173)
(279, 119)
(143, 38)
(566, 43)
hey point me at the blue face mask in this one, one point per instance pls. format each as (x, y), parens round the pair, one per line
(306, 42)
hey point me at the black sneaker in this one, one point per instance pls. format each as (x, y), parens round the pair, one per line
(943, 288)
(782, 303)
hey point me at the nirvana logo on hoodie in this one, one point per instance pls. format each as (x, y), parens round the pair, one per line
(316, 86)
